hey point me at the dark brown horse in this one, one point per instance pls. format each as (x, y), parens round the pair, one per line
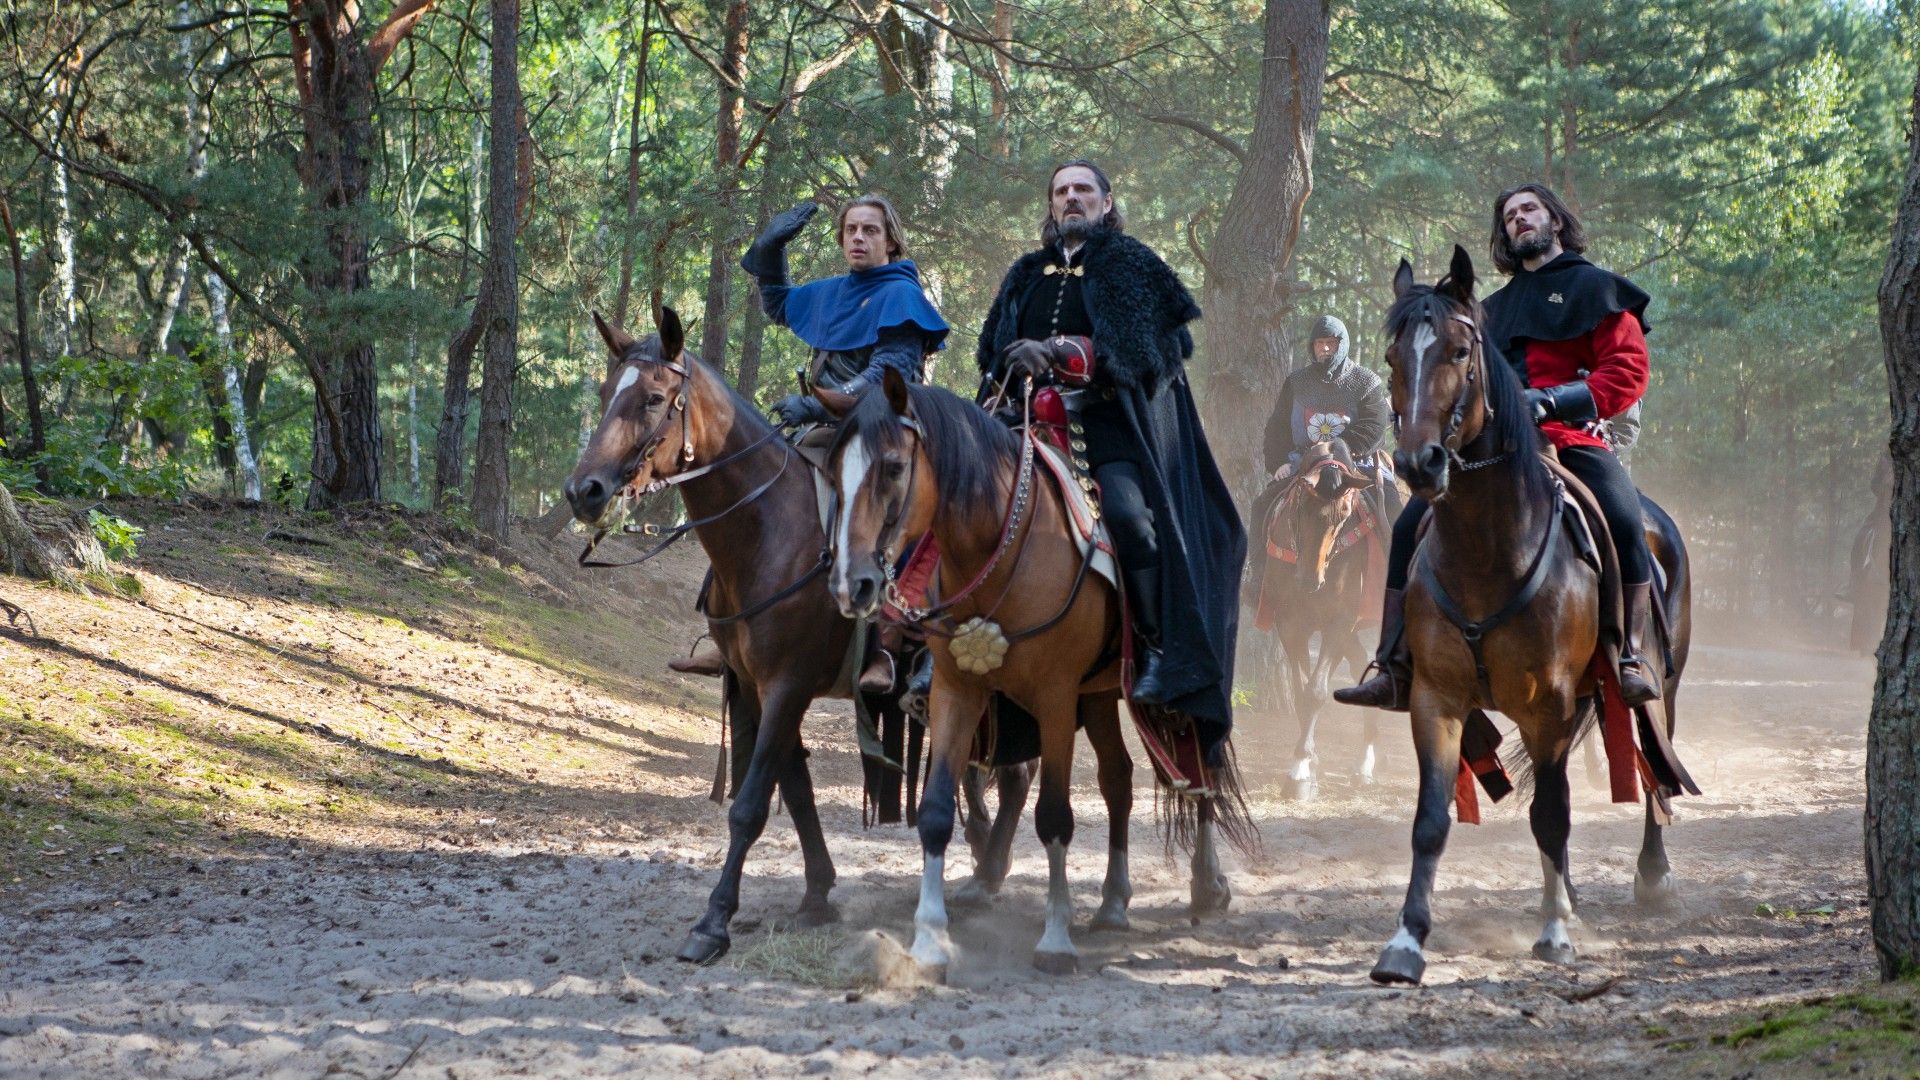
(916, 460)
(1467, 444)
(668, 418)
(1316, 581)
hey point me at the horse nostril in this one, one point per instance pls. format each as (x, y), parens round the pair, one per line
(863, 593)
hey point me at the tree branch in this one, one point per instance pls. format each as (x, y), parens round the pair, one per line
(1218, 138)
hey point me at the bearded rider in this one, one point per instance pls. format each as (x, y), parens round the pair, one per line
(1577, 336)
(1179, 538)
(874, 317)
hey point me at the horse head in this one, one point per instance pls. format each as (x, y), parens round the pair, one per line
(649, 428)
(1327, 487)
(1440, 377)
(884, 492)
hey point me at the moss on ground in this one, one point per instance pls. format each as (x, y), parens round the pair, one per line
(1872, 1032)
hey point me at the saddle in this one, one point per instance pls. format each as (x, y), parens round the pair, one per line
(1639, 753)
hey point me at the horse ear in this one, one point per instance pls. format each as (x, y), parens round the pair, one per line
(838, 402)
(1356, 481)
(673, 339)
(1460, 275)
(1402, 279)
(896, 388)
(616, 336)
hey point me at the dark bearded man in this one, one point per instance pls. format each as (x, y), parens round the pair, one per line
(1179, 538)
(1577, 336)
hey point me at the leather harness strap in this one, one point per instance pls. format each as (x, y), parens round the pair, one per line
(1476, 631)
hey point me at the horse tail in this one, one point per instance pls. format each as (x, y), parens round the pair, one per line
(1179, 813)
(1519, 763)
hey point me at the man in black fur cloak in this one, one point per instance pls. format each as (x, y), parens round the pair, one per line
(1179, 538)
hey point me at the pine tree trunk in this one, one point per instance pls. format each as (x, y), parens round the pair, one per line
(500, 292)
(23, 346)
(630, 236)
(1249, 294)
(726, 174)
(1893, 732)
(456, 396)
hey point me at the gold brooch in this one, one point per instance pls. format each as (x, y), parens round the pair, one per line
(1073, 271)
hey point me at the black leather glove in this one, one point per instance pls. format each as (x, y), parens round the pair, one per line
(766, 260)
(797, 409)
(1033, 359)
(1569, 403)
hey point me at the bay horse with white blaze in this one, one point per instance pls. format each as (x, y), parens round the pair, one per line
(670, 420)
(1497, 547)
(913, 461)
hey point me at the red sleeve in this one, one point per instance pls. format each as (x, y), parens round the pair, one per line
(1619, 374)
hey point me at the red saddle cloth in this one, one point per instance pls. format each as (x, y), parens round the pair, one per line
(1362, 529)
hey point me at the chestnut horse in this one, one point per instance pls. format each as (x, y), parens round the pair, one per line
(914, 460)
(1314, 585)
(1467, 444)
(669, 419)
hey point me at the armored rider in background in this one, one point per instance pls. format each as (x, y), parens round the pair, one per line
(1332, 398)
(1179, 538)
(873, 317)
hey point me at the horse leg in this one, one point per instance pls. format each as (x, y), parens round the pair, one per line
(1053, 820)
(1653, 877)
(796, 790)
(1100, 715)
(1436, 738)
(953, 717)
(1355, 654)
(1597, 778)
(779, 736)
(1208, 892)
(1300, 781)
(1551, 816)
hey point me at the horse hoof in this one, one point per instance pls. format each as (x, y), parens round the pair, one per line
(1399, 967)
(704, 948)
(931, 974)
(1658, 894)
(974, 893)
(1302, 790)
(1057, 963)
(1210, 900)
(814, 914)
(1552, 953)
(1113, 921)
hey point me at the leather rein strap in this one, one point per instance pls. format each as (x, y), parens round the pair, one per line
(1476, 631)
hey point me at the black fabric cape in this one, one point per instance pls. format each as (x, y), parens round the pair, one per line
(1140, 311)
(1525, 308)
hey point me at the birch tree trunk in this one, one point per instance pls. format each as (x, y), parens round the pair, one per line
(245, 463)
(450, 439)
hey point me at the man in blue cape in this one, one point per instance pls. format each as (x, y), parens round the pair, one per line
(873, 317)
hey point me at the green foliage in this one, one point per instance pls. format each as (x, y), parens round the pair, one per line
(116, 534)
(1736, 157)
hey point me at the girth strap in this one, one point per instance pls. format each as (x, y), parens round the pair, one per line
(1474, 631)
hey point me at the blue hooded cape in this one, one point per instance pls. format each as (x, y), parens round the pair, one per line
(848, 312)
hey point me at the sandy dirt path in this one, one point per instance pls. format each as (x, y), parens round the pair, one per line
(524, 946)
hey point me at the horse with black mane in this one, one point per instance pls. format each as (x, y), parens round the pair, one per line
(1505, 611)
(1018, 610)
(670, 420)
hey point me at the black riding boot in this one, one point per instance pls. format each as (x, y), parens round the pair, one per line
(1393, 661)
(706, 661)
(1143, 601)
(1637, 684)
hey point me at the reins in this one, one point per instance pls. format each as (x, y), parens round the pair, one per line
(683, 405)
(934, 619)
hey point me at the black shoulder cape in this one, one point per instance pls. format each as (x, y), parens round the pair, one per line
(1564, 299)
(1140, 310)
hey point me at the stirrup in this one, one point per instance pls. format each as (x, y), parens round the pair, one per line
(1642, 688)
(871, 676)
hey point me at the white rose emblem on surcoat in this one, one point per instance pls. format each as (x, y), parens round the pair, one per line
(1322, 426)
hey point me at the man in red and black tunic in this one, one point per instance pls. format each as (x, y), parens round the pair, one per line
(1577, 336)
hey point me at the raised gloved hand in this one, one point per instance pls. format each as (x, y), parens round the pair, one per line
(1033, 359)
(797, 409)
(766, 260)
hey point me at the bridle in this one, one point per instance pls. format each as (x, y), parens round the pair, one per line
(1476, 375)
(682, 405)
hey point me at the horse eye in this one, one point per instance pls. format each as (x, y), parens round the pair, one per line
(895, 469)
(654, 400)
(1461, 353)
